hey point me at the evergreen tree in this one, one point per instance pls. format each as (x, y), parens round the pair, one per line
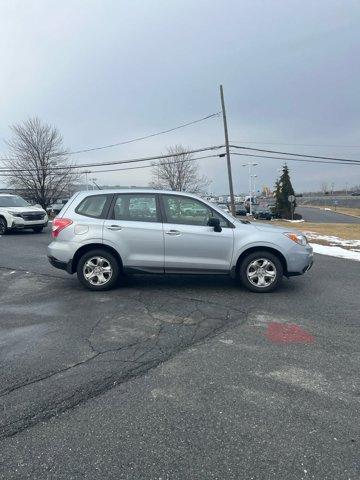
(284, 188)
(277, 198)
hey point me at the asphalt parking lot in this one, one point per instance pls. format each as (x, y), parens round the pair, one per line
(320, 215)
(178, 377)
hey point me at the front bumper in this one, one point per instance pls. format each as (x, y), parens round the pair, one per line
(20, 223)
(300, 260)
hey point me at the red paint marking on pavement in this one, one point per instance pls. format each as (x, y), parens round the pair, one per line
(287, 333)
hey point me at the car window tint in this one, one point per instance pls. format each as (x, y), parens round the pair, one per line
(188, 211)
(93, 206)
(137, 208)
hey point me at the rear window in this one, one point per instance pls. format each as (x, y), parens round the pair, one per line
(94, 206)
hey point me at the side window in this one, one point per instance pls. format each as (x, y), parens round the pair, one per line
(137, 208)
(93, 206)
(188, 211)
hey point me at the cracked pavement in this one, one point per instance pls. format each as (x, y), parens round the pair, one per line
(99, 385)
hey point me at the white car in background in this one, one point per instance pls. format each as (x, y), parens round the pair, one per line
(17, 213)
(224, 207)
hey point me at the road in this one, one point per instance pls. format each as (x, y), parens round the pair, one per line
(317, 215)
(178, 377)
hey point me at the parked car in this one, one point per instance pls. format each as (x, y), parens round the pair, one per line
(97, 236)
(272, 209)
(17, 213)
(56, 207)
(223, 206)
(240, 209)
(355, 194)
(263, 213)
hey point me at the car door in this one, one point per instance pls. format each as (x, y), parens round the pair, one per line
(135, 230)
(191, 246)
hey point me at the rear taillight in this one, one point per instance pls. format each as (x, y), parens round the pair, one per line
(59, 224)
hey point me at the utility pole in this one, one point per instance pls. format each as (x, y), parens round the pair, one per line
(227, 147)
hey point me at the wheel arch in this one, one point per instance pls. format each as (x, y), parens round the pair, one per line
(3, 217)
(272, 250)
(94, 246)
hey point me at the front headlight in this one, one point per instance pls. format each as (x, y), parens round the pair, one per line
(297, 238)
(14, 214)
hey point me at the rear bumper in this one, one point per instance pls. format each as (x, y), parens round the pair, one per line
(60, 265)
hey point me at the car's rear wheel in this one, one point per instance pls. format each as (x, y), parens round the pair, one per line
(38, 229)
(3, 226)
(261, 271)
(98, 270)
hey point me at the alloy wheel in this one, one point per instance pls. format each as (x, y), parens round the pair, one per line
(261, 272)
(97, 270)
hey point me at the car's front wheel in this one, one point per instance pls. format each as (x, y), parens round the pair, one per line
(261, 271)
(3, 226)
(98, 270)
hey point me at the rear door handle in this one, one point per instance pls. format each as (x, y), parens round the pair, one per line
(114, 227)
(173, 232)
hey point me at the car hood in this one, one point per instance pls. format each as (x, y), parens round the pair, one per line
(273, 229)
(23, 209)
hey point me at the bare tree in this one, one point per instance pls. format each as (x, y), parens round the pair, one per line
(179, 172)
(37, 162)
(324, 187)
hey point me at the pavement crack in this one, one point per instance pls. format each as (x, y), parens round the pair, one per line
(5, 392)
(195, 326)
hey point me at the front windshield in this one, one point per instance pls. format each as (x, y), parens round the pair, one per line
(12, 201)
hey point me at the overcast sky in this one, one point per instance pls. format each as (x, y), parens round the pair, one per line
(104, 71)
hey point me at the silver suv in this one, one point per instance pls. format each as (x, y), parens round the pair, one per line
(102, 235)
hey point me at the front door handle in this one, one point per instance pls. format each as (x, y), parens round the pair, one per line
(173, 232)
(114, 227)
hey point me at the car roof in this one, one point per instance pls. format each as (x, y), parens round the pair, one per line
(136, 190)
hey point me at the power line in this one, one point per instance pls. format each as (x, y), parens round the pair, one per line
(295, 154)
(131, 168)
(355, 162)
(125, 142)
(116, 162)
(151, 165)
(298, 144)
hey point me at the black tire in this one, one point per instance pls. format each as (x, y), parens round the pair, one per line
(38, 229)
(110, 260)
(3, 226)
(275, 265)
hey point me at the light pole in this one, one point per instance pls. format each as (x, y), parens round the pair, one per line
(250, 165)
(86, 172)
(254, 189)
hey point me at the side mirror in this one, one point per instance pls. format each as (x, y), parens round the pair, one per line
(215, 222)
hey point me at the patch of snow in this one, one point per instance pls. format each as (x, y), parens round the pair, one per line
(335, 252)
(332, 240)
(295, 221)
